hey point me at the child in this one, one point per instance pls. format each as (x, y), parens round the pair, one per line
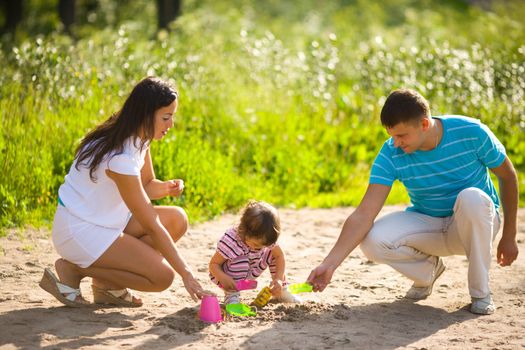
(245, 251)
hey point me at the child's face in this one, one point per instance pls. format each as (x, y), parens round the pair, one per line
(254, 243)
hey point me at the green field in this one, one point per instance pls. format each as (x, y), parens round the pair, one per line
(280, 100)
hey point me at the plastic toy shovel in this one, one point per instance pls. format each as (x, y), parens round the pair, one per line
(297, 288)
(240, 310)
(246, 284)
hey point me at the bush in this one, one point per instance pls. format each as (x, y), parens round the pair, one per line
(278, 102)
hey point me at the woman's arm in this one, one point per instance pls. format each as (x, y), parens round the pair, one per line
(216, 270)
(136, 199)
(157, 189)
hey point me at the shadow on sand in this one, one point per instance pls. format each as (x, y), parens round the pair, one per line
(388, 325)
(376, 326)
(74, 328)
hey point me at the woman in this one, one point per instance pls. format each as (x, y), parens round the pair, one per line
(105, 226)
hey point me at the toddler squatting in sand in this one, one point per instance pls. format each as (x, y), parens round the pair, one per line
(246, 250)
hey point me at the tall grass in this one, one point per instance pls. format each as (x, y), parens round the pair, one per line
(279, 101)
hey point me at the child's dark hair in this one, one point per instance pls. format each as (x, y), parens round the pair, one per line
(260, 220)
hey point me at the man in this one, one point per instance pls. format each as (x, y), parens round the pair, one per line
(442, 162)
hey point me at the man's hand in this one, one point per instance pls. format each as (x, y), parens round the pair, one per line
(321, 276)
(507, 251)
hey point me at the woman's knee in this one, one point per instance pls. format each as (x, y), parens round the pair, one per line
(163, 277)
(177, 221)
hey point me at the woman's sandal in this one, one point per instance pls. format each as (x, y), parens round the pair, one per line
(118, 297)
(63, 293)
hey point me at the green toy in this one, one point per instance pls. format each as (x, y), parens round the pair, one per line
(297, 288)
(240, 310)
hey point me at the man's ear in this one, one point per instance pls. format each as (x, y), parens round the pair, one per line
(425, 123)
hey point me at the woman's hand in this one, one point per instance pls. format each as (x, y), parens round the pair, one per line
(174, 187)
(193, 287)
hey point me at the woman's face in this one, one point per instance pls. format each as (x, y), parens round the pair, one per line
(164, 120)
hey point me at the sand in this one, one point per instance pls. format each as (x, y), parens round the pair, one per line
(362, 308)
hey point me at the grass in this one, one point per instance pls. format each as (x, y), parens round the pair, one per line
(279, 100)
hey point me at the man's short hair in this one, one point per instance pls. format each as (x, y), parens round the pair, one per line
(404, 106)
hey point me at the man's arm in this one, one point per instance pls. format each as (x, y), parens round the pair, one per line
(508, 188)
(354, 230)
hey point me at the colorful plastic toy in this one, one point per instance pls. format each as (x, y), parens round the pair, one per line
(263, 297)
(210, 310)
(240, 310)
(297, 288)
(246, 284)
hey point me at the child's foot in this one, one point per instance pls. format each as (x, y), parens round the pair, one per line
(232, 298)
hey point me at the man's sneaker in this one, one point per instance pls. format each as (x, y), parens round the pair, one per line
(482, 306)
(232, 298)
(418, 293)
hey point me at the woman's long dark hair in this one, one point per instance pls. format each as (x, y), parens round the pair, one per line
(137, 113)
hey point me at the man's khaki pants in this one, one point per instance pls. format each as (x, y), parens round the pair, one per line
(410, 242)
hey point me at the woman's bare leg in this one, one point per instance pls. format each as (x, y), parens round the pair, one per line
(127, 263)
(174, 220)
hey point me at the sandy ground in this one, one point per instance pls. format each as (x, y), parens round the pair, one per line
(362, 308)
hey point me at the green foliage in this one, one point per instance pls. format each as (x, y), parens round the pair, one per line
(279, 100)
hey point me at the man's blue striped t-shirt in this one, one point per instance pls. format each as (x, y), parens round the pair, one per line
(434, 178)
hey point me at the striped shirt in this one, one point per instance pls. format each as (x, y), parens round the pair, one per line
(434, 178)
(242, 262)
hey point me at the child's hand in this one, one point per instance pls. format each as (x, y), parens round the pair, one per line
(228, 284)
(276, 287)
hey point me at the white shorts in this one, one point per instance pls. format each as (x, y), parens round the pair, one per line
(78, 241)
